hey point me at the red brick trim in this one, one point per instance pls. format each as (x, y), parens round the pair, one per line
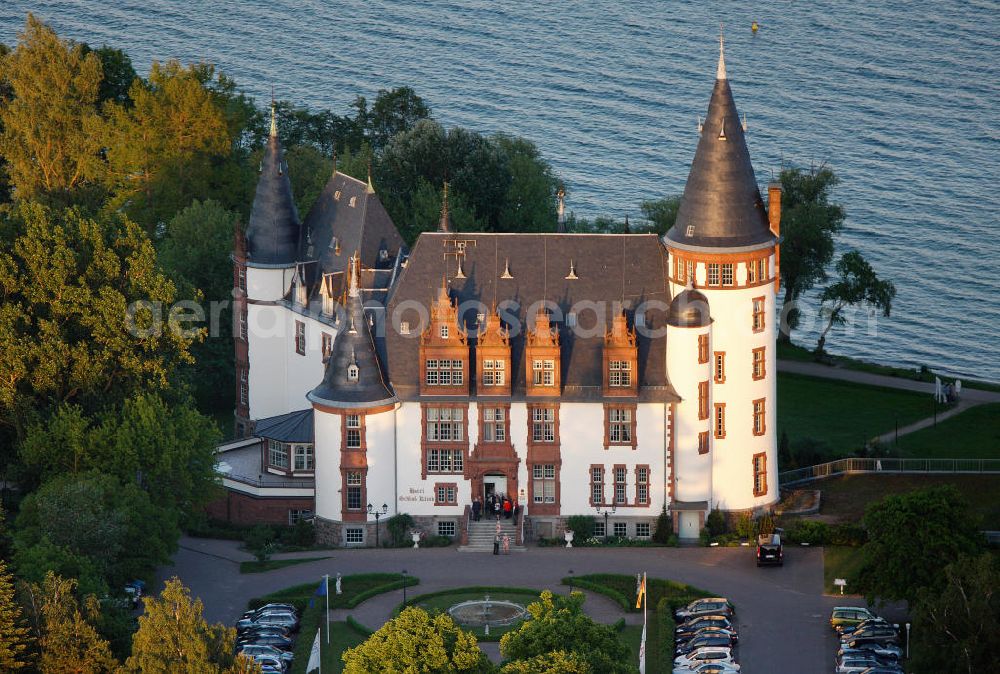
(540, 453)
(615, 483)
(445, 485)
(763, 363)
(530, 441)
(702, 349)
(343, 432)
(702, 400)
(719, 367)
(719, 414)
(633, 410)
(762, 313)
(426, 445)
(353, 515)
(762, 414)
(482, 406)
(703, 442)
(604, 484)
(648, 483)
(543, 508)
(760, 472)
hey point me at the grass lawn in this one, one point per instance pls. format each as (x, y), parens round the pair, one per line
(632, 636)
(271, 564)
(845, 498)
(843, 414)
(342, 637)
(440, 602)
(840, 562)
(973, 434)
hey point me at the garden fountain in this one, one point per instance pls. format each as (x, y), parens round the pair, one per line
(487, 612)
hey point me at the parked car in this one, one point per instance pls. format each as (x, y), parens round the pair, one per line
(769, 550)
(705, 631)
(276, 640)
(885, 634)
(849, 616)
(883, 669)
(254, 628)
(710, 668)
(703, 640)
(870, 622)
(702, 655)
(855, 664)
(271, 661)
(707, 606)
(251, 650)
(271, 608)
(686, 629)
(286, 620)
(890, 652)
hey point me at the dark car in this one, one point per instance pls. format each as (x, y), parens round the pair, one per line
(769, 550)
(276, 640)
(270, 608)
(875, 633)
(884, 651)
(870, 622)
(701, 622)
(703, 640)
(707, 631)
(707, 606)
(289, 621)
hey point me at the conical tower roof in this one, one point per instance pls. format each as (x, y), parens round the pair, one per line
(273, 229)
(722, 206)
(353, 349)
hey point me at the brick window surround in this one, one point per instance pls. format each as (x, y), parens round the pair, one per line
(454, 445)
(719, 367)
(352, 432)
(759, 363)
(620, 425)
(642, 480)
(494, 423)
(760, 474)
(757, 313)
(543, 453)
(703, 442)
(353, 514)
(445, 493)
(759, 416)
(619, 474)
(597, 484)
(702, 349)
(703, 400)
(719, 420)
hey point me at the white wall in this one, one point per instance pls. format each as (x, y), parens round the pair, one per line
(692, 471)
(379, 439)
(328, 478)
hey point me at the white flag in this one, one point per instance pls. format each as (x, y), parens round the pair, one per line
(642, 652)
(314, 655)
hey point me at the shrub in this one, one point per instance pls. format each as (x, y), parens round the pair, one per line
(812, 532)
(398, 525)
(704, 538)
(853, 535)
(582, 526)
(746, 527)
(664, 527)
(715, 523)
(302, 534)
(435, 541)
(260, 541)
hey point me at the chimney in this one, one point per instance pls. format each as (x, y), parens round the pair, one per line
(774, 207)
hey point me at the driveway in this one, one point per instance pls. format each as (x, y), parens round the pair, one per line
(782, 615)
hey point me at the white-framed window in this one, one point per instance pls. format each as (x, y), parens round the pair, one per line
(720, 420)
(758, 417)
(642, 485)
(758, 363)
(621, 495)
(494, 372)
(303, 457)
(620, 374)
(494, 426)
(690, 271)
(642, 529)
(352, 424)
(720, 367)
(444, 372)
(277, 454)
(404, 327)
(758, 314)
(752, 271)
(619, 425)
(352, 372)
(244, 387)
(446, 529)
(713, 273)
(620, 529)
(296, 515)
(353, 479)
(599, 530)
(445, 424)
(241, 277)
(327, 343)
(244, 334)
(354, 535)
(543, 424)
(597, 485)
(543, 372)
(762, 268)
(445, 460)
(543, 485)
(444, 331)
(300, 338)
(446, 494)
(727, 274)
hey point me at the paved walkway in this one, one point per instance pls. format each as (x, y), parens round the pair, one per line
(781, 612)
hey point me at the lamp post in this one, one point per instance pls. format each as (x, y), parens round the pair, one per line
(372, 510)
(606, 512)
(404, 588)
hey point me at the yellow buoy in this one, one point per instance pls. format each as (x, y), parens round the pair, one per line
(754, 27)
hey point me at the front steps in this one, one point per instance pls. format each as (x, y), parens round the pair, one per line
(481, 536)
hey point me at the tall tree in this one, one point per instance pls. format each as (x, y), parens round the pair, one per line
(15, 638)
(530, 203)
(661, 212)
(857, 284)
(561, 625)
(809, 222)
(556, 662)
(393, 112)
(68, 643)
(83, 315)
(51, 138)
(174, 636)
(911, 538)
(117, 74)
(416, 642)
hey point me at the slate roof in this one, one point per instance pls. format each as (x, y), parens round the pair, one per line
(273, 230)
(291, 427)
(722, 206)
(608, 267)
(689, 310)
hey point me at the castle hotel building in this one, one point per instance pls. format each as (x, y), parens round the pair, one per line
(574, 373)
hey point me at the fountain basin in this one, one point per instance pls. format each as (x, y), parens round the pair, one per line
(480, 612)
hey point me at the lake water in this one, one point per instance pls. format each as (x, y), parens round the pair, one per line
(900, 98)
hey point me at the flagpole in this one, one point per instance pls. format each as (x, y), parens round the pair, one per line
(326, 587)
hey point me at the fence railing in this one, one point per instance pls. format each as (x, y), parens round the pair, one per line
(855, 465)
(269, 483)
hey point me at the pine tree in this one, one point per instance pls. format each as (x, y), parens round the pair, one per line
(14, 636)
(69, 643)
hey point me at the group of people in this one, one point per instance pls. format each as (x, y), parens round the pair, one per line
(496, 505)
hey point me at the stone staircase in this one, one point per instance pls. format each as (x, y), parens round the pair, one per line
(481, 536)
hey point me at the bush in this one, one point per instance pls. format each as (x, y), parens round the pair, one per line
(664, 527)
(260, 541)
(715, 523)
(302, 534)
(812, 532)
(704, 538)
(582, 526)
(746, 527)
(853, 535)
(436, 541)
(398, 526)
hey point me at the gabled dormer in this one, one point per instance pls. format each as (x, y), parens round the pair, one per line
(493, 358)
(621, 357)
(444, 350)
(541, 358)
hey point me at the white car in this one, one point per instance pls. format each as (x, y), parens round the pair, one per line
(710, 668)
(708, 654)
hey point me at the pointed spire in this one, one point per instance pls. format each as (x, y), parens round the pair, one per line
(443, 296)
(720, 72)
(371, 188)
(444, 225)
(561, 210)
(506, 269)
(353, 271)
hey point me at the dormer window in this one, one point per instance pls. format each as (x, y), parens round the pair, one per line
(444, 332)
(383, 254)
(336, 195)
(353, 202)
(404, 327)
(352, 372)
(543, 372)
(620, 374)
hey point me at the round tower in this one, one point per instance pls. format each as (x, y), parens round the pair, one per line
(724, 244)
(355, 440)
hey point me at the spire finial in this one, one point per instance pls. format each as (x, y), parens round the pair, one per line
(353, 280)
(720, 73)
(561, 210)
(445, 224)
(274, 116)
(371, 188)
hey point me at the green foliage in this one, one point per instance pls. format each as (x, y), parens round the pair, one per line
(309, 171)
(15, 638)
(857, 284)
(174, 636)
(664, 527)
(661, 212)
(556, 662)
(398, 526)
(302, 534)
(813, 532)
(562, 625)
(117, 74)
(911, 538)
(808, 224)
(582, 526)
(50, 128)
(415, 641)
(958, 626)
(715, 523)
